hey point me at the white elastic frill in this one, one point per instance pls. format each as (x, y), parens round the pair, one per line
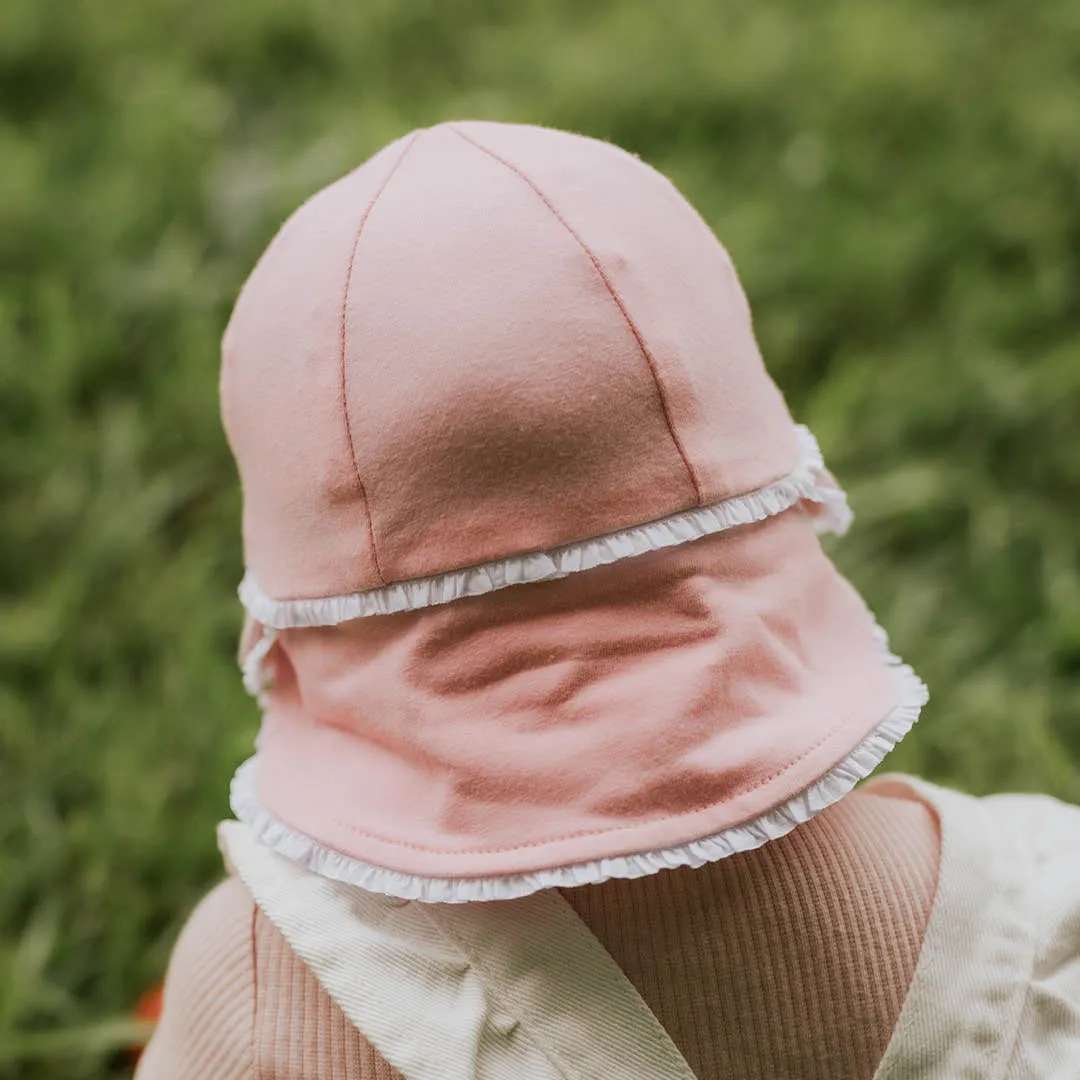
(830, 788)
(809, 481)
(253, 668)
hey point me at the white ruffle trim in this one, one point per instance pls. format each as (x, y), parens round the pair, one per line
(830, 788)
(252, 668)
(809, 481)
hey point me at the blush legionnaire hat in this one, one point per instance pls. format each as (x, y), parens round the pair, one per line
(534, 586)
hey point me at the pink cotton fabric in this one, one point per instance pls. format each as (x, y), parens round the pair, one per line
(634, 706)
(489, 339)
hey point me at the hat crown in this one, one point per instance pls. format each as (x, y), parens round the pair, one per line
(489, 339)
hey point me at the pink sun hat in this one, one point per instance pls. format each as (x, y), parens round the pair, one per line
(534, 585)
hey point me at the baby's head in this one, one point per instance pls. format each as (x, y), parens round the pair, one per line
(531, 533)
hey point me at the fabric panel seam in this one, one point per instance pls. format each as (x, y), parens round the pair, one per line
(650, 360)
(343, 348)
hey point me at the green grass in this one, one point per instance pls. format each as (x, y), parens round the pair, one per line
(899, 185)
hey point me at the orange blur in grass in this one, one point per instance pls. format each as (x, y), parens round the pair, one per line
(148, 1009)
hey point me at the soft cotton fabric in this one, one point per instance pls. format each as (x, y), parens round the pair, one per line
(997, 989)
(788, 962)
(809, 485)
(488, 343)
(634, 706)
(488, 339)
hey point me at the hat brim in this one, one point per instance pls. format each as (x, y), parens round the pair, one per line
(667, 710)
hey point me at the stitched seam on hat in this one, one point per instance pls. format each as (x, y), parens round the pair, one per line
(650, 360)
(620, 828)
(344, 335)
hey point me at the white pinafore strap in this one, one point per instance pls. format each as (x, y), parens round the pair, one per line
(500, 990)
(996, 992)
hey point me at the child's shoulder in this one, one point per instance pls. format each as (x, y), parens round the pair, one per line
(209, 997)
(218, 935)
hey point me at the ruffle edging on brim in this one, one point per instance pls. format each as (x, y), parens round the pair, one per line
(810, 481)
(828, 789)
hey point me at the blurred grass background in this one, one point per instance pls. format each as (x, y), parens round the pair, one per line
(899, 185)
